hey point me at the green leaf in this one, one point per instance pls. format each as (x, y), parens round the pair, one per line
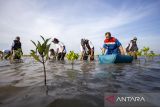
(47, 57)
(42, 38)
(47, 49)
(72, 56)
(34, 43)
(46, 41)
(32, 51)
(36, 57)
(40, 48)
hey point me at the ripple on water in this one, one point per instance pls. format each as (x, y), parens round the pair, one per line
(22, 84)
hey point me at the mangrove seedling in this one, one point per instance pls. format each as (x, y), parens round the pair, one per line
(139, 53)
(151, 54)
(71, 56)
(18, 54)
(145, 51)
(42, 49)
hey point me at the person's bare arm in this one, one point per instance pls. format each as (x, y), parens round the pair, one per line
(92, 51)
(82, 55)
(103, 51)
(92, 54)
(121, 50)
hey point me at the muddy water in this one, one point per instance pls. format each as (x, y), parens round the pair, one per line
(22, 84)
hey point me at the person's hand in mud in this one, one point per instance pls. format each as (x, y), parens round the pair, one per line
(92, 58)
(82, 55)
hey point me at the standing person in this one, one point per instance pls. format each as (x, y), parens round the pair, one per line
(87, 49)
(132, 48)
(17, 48)
(61, 49)
(112, 45)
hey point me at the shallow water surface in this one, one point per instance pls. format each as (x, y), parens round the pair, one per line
(84, 85)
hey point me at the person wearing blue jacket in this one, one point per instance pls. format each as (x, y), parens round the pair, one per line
(112, 45)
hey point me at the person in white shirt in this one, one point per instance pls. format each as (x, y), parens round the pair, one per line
(61, 49)
(87, 49)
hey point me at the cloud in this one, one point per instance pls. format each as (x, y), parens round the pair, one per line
(67, 20)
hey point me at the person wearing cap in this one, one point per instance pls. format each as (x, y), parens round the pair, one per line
(61, 49)
(87, 49)
(132, 48)
(112, 45)
(16, 48)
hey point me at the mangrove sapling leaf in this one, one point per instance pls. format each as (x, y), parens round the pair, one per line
(40, 49)
(71, 56)
(18, 53)
(139, 53)
(151, 55)
(145, 52)
(46, 52)
(42, 38)
(36, 57)
(47, 40)
(34, 43)
(43, 49)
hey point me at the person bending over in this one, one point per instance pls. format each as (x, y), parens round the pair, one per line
(16, 49)
(132, 48)
(112, 45)
(6, 54)
(87, 49)
(61, 49)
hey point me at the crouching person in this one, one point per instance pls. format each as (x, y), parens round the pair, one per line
(1, 54)
(6, 54)
(87, 49)
(52, 55)
(61, 49)
(132, 48)
(16, 49)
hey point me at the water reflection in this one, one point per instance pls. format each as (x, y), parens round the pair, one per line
(86, 69)
(84, 85)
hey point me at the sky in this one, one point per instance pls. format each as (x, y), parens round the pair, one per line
(71, 20)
